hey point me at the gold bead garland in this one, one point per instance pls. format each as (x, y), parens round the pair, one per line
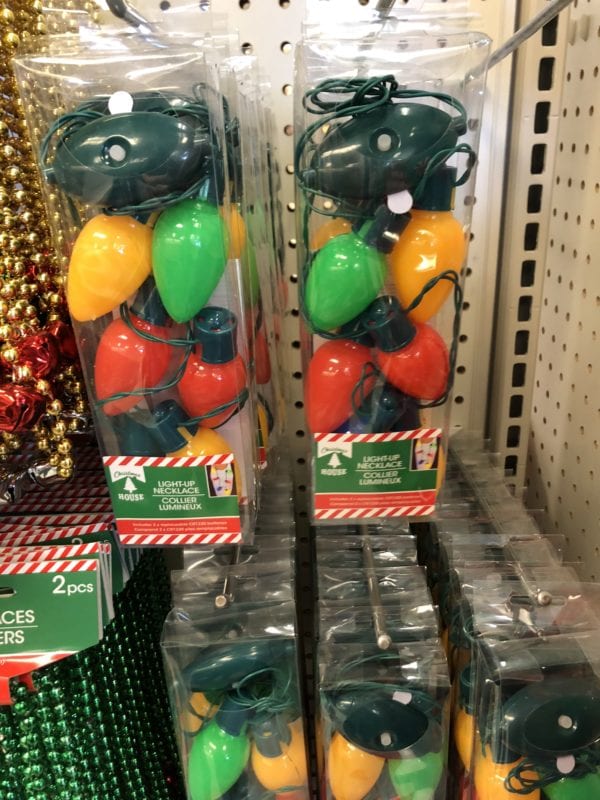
(31, 286)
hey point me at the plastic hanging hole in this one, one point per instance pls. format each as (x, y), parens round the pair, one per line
(115, 151)
(120, 102)
(6, 592)
(384, 141)
(566, 722)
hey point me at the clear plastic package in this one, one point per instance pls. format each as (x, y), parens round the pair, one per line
(386, 136)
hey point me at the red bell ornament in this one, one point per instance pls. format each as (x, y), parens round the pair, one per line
(20, 408)
(215, 374)
(65, 338)
(126, 362)
(333, 373)
(40, 353)
(413, 358)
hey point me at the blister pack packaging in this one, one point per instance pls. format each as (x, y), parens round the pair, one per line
(386, 128)
(133, 149)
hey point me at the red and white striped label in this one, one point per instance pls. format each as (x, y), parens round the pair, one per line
(370, 513)
(55, 553)
(37, 567)
(40, 534)
(9, 523)
(162, 540)
(396, 436)
(144, 461)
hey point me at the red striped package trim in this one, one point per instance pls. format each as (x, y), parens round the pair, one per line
(396, 436)
(37, 568)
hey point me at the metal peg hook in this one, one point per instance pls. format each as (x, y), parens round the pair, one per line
(130, 15)
(225, 598)
(384, 640)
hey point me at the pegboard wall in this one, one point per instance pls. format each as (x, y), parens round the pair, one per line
(563, 459)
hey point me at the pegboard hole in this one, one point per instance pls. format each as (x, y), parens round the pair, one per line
(532, 230)
(288, 130)
(286, 47)
(534, 198)
(541, 121)
(299, 404)
(287, 89)
(291, 206)
(524, 309)
(518, 374)
(510, 465)
(244, 4)
(515, 406)
(459, 399)
(289, 168)
(164, 5)
(527, 273)
(546, 74)
(297, 376)
(538, 159)
(300, 433)
(293, 278)
(461, 370)
(292, 243)
(549, 32)
(521, 343)
(513, 436)
(296, 344)
(247, 49)
(284, 3)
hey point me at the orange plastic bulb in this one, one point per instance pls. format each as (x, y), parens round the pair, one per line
(288, 770)
(111, 259)
(432, 242)
(237, 231)
(199, 709)
(489, 778)
(464, 732)
(205, 442)
(334, 227)
(352, 772)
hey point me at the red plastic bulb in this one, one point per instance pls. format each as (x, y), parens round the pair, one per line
(126, 362)
(413, 358)
(421, 368)
(215, 374)
(333, 373)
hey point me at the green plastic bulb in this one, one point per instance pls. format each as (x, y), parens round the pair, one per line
(574, 788)
(189, 253)
(216, 761)
(345, 277)
(416, 778)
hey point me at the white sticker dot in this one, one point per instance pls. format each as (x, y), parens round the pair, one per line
(386, 739)
(402, 697)
(120, 102)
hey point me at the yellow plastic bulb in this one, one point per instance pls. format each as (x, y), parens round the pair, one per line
(237, 231)
(489, 778)
(199, 709)
(263, 425)
(111, 259)
(352, 772)
(334, 227)
(464, 732)
(432, 242)
(288, 770)
(206, 442)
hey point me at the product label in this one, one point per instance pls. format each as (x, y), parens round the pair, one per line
(370, 475)
(164, 501)
(49, 606)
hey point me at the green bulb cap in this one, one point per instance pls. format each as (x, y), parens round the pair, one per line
(438, 191)
(148, 305)
(388, 324)
(168, 417)
(215, 329)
